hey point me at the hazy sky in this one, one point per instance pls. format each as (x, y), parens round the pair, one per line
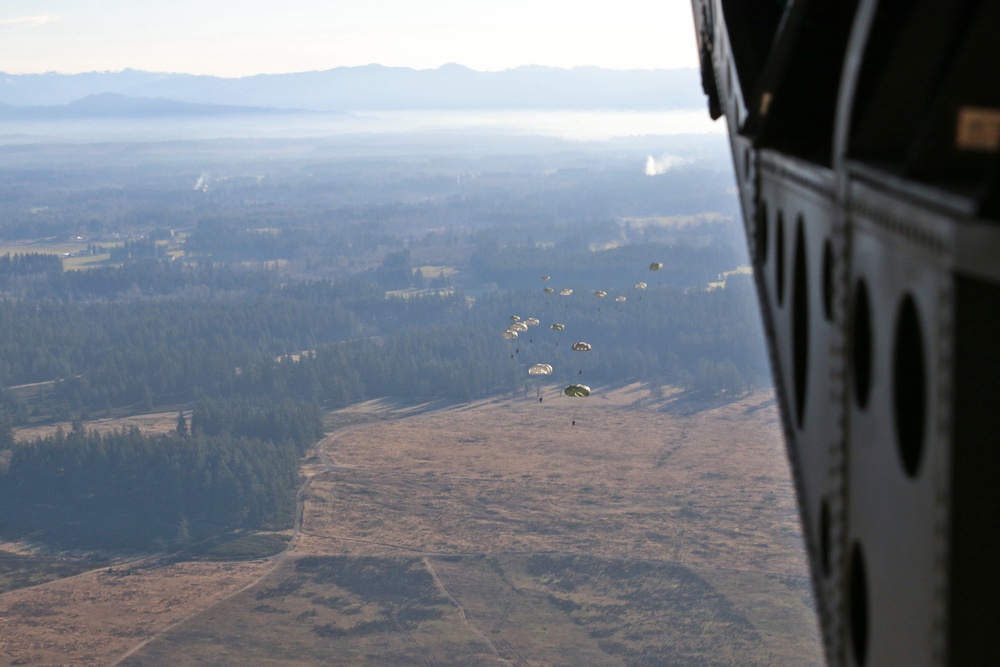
(241, 37)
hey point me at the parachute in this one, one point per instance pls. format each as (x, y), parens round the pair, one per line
(545, 278)
(532, 321)
(577, 390)
(519, 327)
(656, 266)
(600, 294)
(540, 369)
(558, 327)
(548, 290)
(619, 299)
(515, 318)
(581, 347)
(565, 292)
(640, 285)
(509, 335)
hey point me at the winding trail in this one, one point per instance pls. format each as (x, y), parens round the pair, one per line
(461, 612)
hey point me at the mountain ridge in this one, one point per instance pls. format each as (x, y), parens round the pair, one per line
(375, 87)
(114, 105)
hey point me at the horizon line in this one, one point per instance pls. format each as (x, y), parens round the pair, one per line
(330, 69)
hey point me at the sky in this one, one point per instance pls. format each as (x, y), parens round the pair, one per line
(235, 38)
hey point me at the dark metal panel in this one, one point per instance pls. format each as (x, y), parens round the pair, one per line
(879, 284)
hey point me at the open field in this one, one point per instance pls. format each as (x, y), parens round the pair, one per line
(472, 610)
(498, 533)
(710, 488)
(654, 531)
(73, 253)
(93, 618)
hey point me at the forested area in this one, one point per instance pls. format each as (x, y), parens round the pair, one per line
(237, 467)
(176, 335)
(269, 293)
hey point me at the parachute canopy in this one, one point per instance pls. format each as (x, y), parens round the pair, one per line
(656, 266)
(509, 335)
(558, 327)
(540, 369)
(640, 285)
(619, 299)
(548, 290)
(545, 278)
(600, 294)
(520, 327)
(581, 347)
(532, 321)
(565, 292)
(515, 318)
(577, 390)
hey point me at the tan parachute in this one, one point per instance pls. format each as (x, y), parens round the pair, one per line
(565, 292)
(548, 290)
(600, 294)
(532, 321)
(656, 266)
(581, 347)
(515, 318)
(619, 299)
(509, 335)
(540, 369)
(577, 390)
(640, 285)
(519, 327)
(558, 327)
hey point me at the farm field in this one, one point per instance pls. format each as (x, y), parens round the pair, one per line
(500, 533)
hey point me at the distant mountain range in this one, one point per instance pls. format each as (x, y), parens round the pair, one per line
(112, 105)
(135, 93)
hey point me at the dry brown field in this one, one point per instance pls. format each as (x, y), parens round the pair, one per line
(650, 532)
(94, 618)
(498, 532)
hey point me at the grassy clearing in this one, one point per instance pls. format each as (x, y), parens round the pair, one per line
(332, 611)
(705, 488)
(436, 271)
(659, 613)
(537, 610)
(152, 423)
(647, 534)
(95, 617)
(539, 530)
(247, 547)
(45, 247)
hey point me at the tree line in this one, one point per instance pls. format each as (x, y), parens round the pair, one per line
(237, 467)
